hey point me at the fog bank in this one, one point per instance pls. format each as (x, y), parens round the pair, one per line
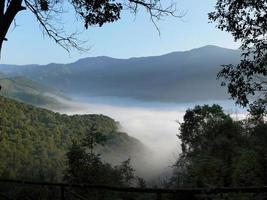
(153, 124)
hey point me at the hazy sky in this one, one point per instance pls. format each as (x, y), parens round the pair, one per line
(129, 37)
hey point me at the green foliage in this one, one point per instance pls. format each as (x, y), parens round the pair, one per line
(247, 22)
(93, 137)
(247, 169)
(88, 168)
(202, 125)
(34, 141)
(27, 91)
(220, 152)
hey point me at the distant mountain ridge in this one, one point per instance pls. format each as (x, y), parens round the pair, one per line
(174, 77)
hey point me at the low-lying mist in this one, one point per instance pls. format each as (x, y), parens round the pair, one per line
(155, 125)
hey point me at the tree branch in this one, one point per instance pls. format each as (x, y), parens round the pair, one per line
(13, 8)
(93, 12)
(155, 9)
(2, 8)
(57, 34)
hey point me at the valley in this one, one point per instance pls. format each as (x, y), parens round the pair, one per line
(147, 96)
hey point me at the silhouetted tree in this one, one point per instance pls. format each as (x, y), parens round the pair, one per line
(247, 22)
(209, 140)
(218, 151)
(88, 168)
(93, 137)
(92, 12)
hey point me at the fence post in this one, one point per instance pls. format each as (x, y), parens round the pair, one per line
(62, 194)
(158, 196)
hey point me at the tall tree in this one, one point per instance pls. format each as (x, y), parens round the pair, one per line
(92, 12)
(246, 20)
(209, 141)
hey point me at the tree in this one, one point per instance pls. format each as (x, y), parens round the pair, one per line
(197, 124)
(210, 140)
(88, 168)
(127, 172)
(220, 152)
(93, 137)
(247, 22)
(92, 12)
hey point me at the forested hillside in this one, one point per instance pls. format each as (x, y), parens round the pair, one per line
(28, 91)
(34, 141)
(218, 151)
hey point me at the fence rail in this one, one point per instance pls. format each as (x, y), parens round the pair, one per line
(157, 191)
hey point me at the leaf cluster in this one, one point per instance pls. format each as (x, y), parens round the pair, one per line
(220, 152)
(246, 20)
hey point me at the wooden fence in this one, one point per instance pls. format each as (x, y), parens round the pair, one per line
(158, 192)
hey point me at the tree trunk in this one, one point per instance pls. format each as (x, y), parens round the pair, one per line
(7, 17)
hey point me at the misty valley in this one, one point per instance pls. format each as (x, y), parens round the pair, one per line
(151, 122)
(155, 124)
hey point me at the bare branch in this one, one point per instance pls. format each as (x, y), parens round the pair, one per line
(50, 14)
(155, 10)
(58, 34)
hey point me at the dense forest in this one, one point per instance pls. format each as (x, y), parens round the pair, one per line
(37, 144)
(216, 150)
(34, 142)
(232, 153)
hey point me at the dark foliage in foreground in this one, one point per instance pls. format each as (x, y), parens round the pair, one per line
(247, 22)
(218, 151)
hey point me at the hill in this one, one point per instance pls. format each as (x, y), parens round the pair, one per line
(174, 77)
(29, 91)
(34, 141)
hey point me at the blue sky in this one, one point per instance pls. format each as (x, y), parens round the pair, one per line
(129, 37)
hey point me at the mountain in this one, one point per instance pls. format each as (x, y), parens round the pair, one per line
(34, 141)
(29, 91)
(174, 77)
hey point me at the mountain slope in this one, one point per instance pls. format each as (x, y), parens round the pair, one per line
(34, 141)
(29, 91)
(175, 77)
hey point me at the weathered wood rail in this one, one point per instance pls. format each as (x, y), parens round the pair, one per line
(157, 191)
